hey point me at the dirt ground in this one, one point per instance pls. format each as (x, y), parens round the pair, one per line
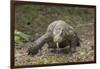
(84, 53)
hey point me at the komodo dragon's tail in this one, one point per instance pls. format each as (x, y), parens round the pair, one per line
(38, 44)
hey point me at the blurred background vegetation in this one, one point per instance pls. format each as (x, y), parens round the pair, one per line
(31, 21)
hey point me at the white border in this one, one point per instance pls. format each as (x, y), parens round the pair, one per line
(84, 2)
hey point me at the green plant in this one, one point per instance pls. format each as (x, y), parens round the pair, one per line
(20, 37)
